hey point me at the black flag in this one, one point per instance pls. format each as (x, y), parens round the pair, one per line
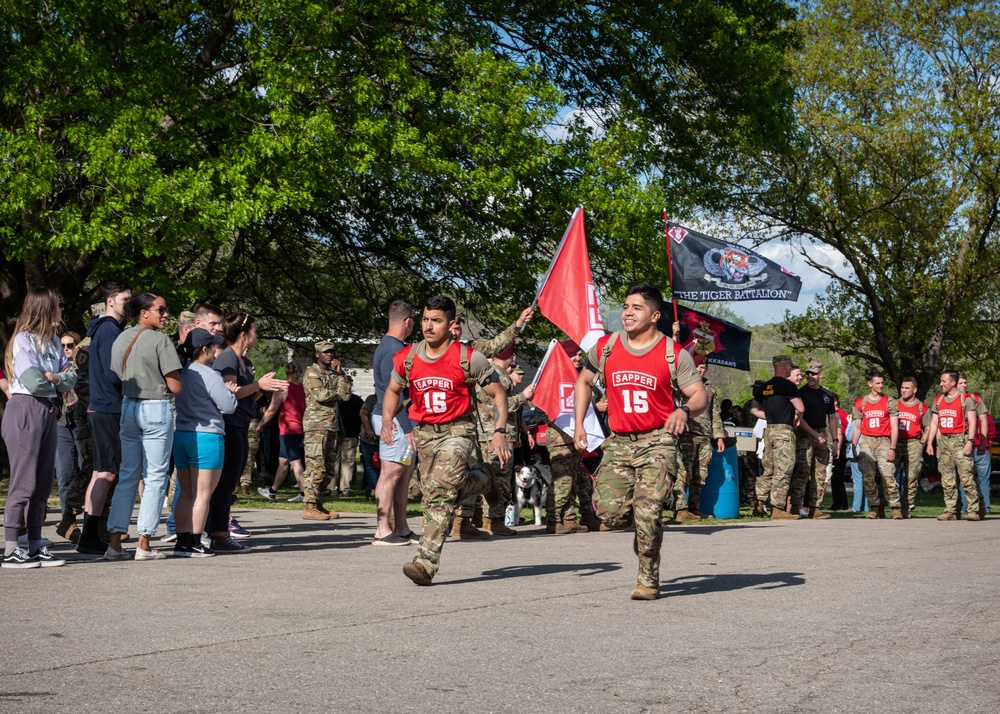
(722, 342)
(705, 269)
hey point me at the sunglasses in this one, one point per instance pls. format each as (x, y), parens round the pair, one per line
(162, 309)
(811, 374)
(68, 345)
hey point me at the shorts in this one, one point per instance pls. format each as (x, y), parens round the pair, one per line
(290, 447)
(199, 450)
(106, 441)
(386, 452)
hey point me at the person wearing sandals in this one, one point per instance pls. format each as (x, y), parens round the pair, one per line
(146, 361)
(199, 439)
(240, 330)
(39, 374)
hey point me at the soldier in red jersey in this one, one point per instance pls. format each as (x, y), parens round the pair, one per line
(875, 444)
(953, 425)
(914, 418)
(439, 372)
(642, 371)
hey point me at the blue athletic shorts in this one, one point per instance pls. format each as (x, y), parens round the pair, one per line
(198, 449)
(290, 447)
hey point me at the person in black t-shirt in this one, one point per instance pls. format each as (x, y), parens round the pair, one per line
(781, 407)
(817, 442)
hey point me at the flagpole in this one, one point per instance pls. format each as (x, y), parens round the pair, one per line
(670, 262)
(545, 359)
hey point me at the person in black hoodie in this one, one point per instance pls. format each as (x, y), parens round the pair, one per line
(104, 411)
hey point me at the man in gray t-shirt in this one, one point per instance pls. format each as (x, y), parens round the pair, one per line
(394, 479)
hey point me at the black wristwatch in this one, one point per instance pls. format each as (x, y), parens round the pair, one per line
(684, 408)
(501, 430)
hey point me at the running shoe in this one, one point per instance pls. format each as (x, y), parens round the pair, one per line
(236, 530)
(267, 492)
(391, 539)
(46, 559)
(298, 499)
(20, 559)
(226, 544)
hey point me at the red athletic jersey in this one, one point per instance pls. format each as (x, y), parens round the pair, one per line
(438, 391)
(951, 415)
(910, 425)
(874, 417)
(291, 410)
(638, 389)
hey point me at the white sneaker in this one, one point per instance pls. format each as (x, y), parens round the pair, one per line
(206, 540)
(298, 499)
(46, 559)
(112, 554)
(169, 538)
(267, 493)
(141, 554)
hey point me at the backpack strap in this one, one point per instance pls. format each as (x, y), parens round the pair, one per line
(603, 354)
(408, 362)
(672, 358)
(465, 359)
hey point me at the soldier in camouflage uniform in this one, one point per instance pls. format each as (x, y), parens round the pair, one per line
(642, 370)
(816, 443)
(326, 385)
(438, 372)
(954, 423)
(781, 407)
(875, 445)
(464, 526)
(696, 451)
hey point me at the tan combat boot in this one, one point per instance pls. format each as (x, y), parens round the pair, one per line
(312, 513)
(973, 516)
(872, 513)
(897, 514)
(641, 592)
(947, 516)
(780, 514)
(416, 573)
(570, 527)
(817, 514)
(462, 529)
(67, 528)
(686, 515)
(496, 526)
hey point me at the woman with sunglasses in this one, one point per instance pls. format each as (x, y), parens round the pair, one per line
(39, 374)
(68, 450)
(240, 330)
(145, 359)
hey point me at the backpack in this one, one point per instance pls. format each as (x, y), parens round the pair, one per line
(464, 359)
(670, 356)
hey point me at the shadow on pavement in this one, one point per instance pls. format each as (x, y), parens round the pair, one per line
(702, 584)
(522, 571)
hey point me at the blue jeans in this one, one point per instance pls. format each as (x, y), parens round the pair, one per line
(860, 502)
(984, 468)
(371, 474)
(147, 435)
(66, 460)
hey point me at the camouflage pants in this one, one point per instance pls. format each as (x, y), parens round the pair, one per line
(878, 474)
(253, 439)
(749, 468)
(566, 468)
(636, 476)
(321, 463)
(779, 464)
(955, 466)
(446, 480)
(809, 478)
(76, 492)
(692, 470)
(911, 455)
(504, 484)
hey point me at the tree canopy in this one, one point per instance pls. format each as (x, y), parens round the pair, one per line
(896, 164)
(309, 160)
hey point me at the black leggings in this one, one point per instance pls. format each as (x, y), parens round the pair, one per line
(234, 461)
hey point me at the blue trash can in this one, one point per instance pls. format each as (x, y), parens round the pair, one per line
(720, 496)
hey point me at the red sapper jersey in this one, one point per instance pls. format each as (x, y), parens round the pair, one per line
(951, 415)
(910, 425)
(638, 389)
(874, 417)
(438, 391)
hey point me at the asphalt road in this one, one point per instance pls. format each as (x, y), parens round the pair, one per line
(827, 616)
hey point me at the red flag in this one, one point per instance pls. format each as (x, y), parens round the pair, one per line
(567, 296)
(554, 386)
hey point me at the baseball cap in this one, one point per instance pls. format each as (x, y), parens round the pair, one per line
(814, 366)
(199, 337)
